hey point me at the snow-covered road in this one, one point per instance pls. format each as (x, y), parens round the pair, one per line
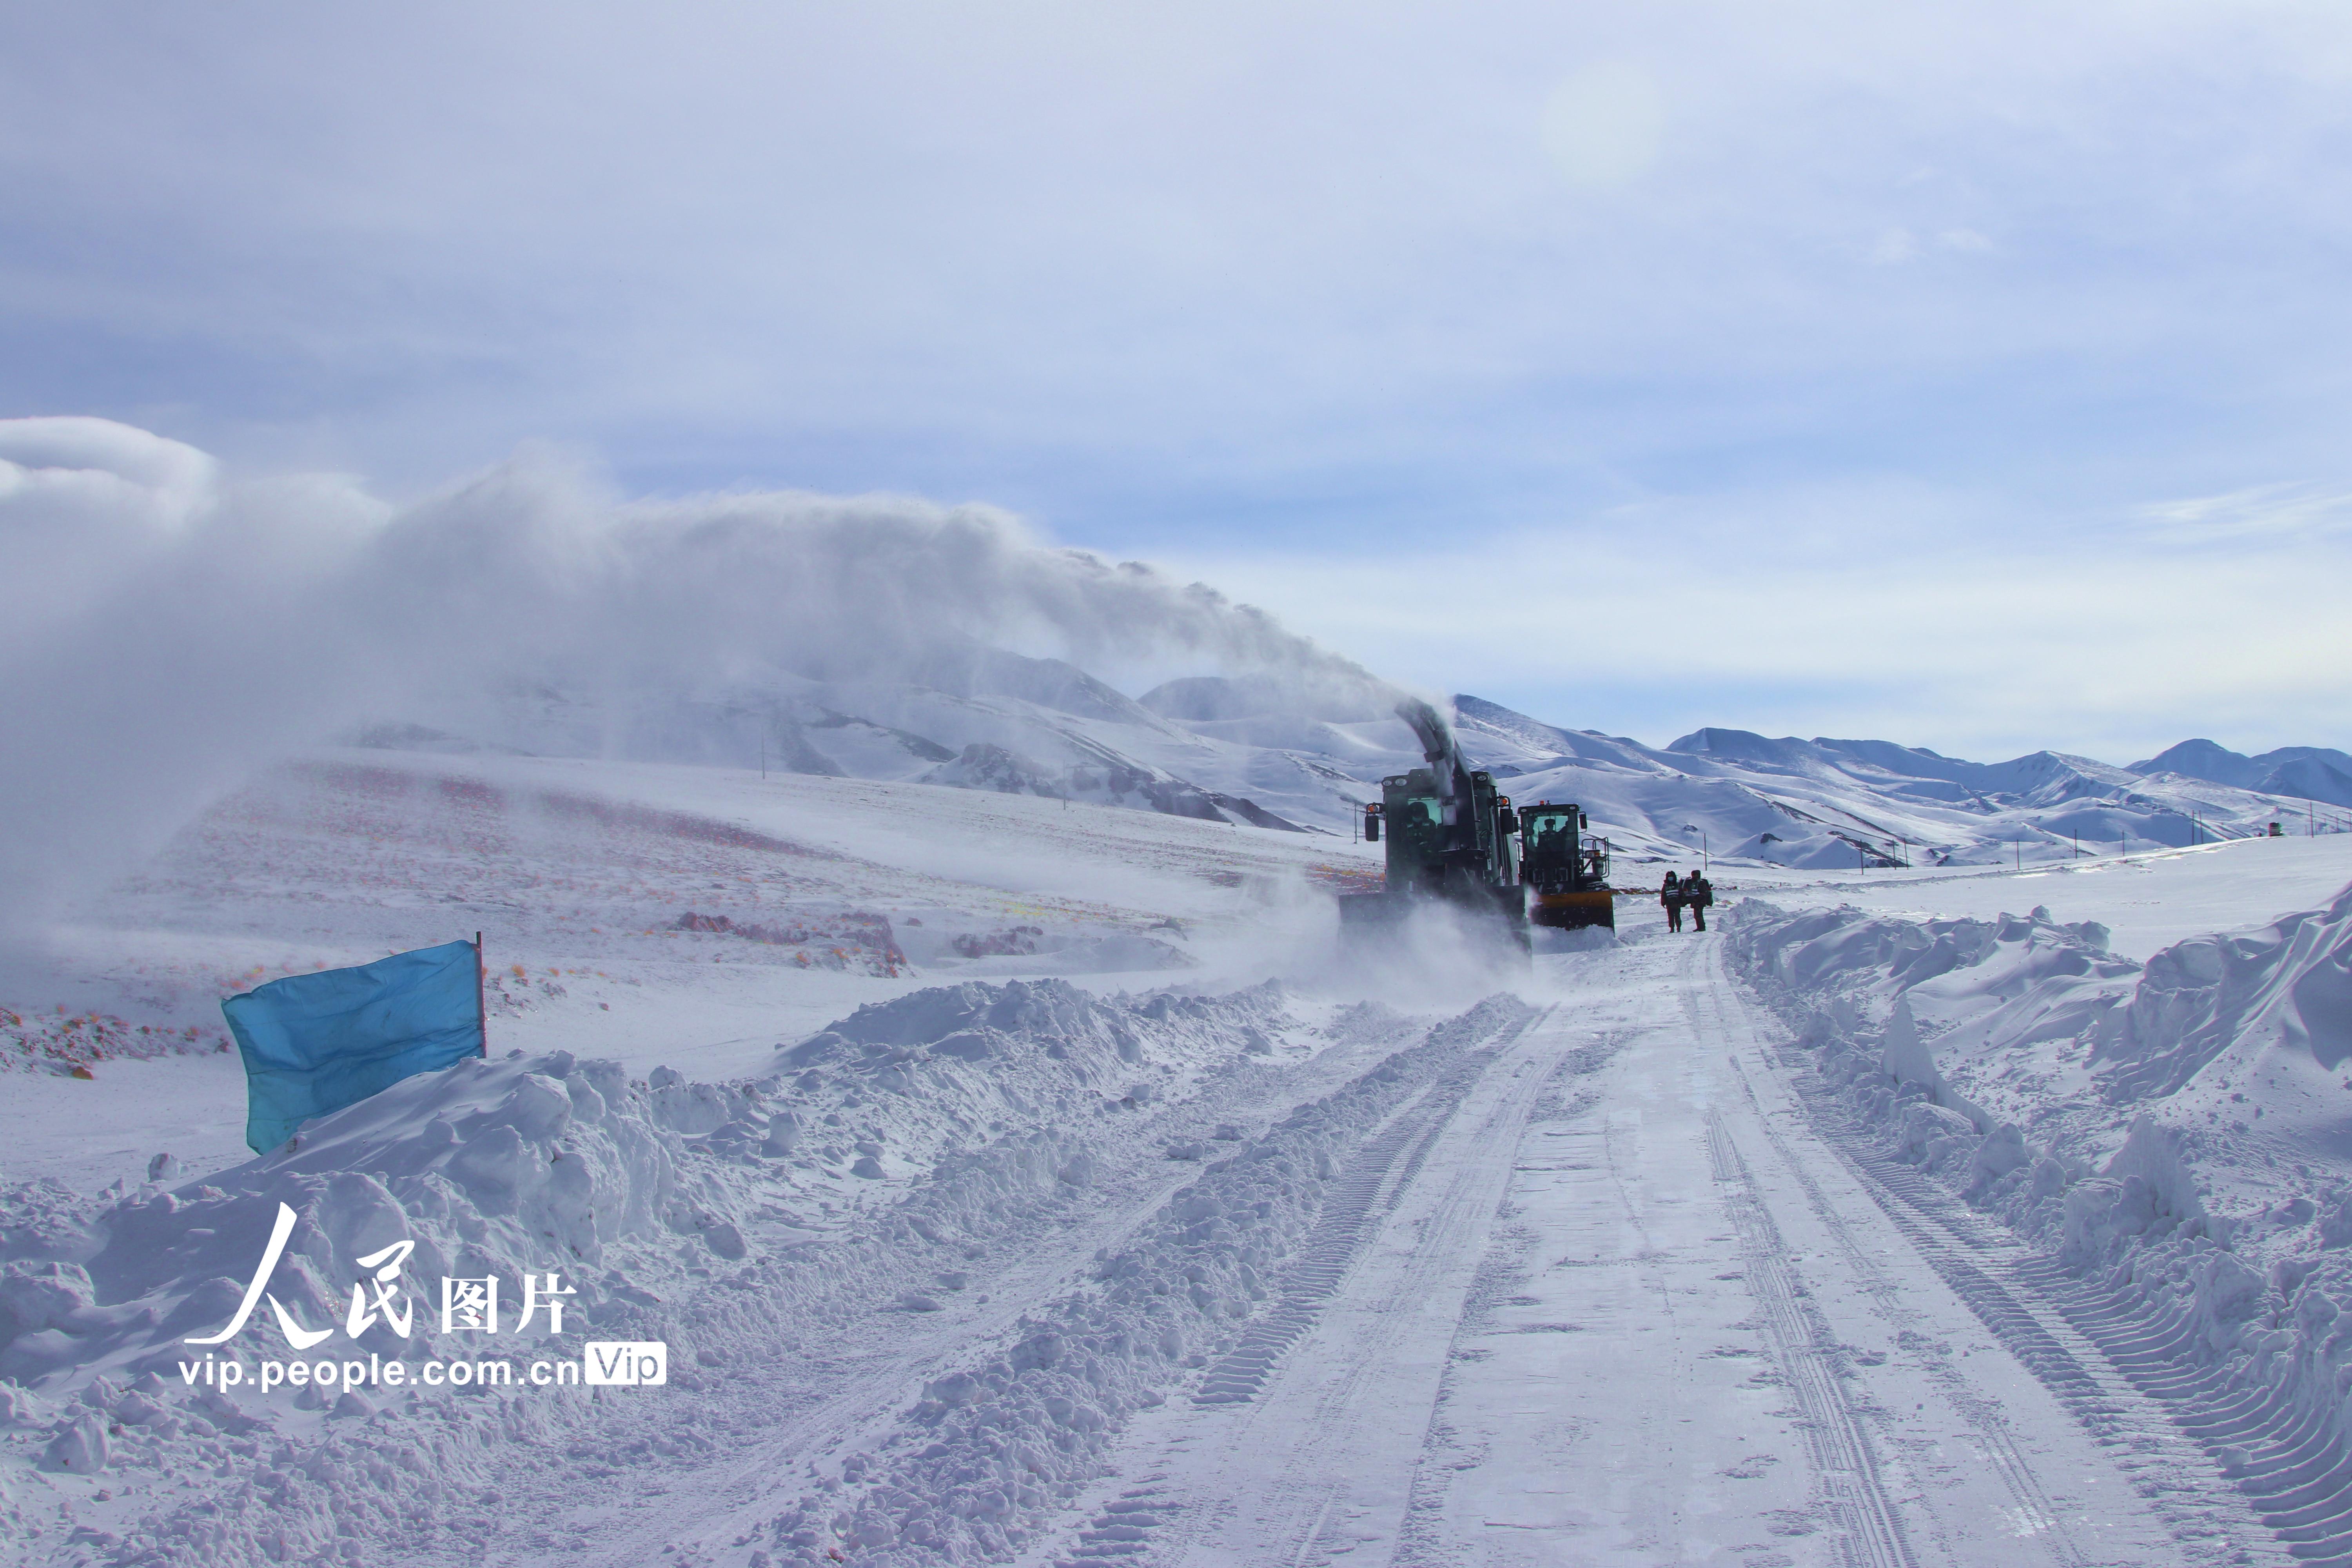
(1621, 1300)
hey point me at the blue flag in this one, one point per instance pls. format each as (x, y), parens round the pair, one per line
(316, 1043)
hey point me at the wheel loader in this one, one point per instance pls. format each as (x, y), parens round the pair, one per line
(1565, 868)
(1453, 840)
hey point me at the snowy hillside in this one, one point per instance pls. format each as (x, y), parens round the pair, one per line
(2306, 773)
(1841, 805)
(1255, 750)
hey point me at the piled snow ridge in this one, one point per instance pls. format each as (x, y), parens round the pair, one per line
(2203, 1095)
(1986, 1015)
(988, 1454)
(489, 1167)
(547, 1163)
(2290, 983)
(983, 1110)
(1999, 1055)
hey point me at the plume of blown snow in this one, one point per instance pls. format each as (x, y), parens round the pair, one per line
(175, 628)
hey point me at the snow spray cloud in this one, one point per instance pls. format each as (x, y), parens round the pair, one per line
(174, 629)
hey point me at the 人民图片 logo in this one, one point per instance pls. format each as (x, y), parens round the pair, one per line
(469, 1306)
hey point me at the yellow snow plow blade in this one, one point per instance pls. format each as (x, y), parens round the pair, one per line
(1565, 911)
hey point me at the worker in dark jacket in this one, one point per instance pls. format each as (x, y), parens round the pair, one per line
(1670, 895)
(1699, 893)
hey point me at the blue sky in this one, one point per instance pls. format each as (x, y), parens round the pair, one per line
(1974, 377)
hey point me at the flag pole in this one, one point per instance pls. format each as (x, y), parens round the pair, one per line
(481, 1012)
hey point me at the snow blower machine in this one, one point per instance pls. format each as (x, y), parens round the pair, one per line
(1451, 840)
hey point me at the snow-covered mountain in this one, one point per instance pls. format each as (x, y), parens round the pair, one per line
(1254, 750)
(1832, 802)
(2299, 772)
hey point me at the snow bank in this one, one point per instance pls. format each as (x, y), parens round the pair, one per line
(2179, 1144)
(1977, 1016)
(545, 1162)
(490, 1167)
(2290, 983)
(709, 1215)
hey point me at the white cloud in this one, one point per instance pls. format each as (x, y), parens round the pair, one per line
(1603, 126)
(1893, 248)
(1229, 233)
(2272, 511)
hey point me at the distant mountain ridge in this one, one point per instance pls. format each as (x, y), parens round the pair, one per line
(2302, 773)
(1252, 749)
(1829, 803)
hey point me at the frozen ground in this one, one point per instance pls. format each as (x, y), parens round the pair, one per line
(996, 1207)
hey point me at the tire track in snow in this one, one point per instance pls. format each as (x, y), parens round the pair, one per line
(1317, 1493)
(1417, 1541)
(1293, 1536)
(1715, 1015)
(1374, 1179)
(1846, 1465)
(1121, 1528)
(864, 1376)
(2040, 1315)
(2285, 1456)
